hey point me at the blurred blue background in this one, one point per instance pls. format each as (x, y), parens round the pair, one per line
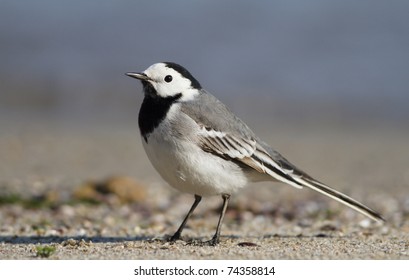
(294, 59)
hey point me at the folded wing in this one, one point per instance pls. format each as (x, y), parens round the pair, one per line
(252, 154)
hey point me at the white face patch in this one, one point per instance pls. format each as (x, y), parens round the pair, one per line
(168, 82)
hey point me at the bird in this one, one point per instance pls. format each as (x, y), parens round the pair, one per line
(199, 146)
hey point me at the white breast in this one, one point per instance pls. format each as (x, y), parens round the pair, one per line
(184, 165)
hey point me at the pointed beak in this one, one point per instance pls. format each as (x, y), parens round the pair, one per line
(139, 76)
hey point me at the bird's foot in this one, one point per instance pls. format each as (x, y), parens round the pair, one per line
(174, 237)
(212, 242)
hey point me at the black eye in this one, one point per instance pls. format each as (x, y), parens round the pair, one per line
(168, 78)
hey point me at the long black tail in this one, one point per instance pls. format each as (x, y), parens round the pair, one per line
(324, 189)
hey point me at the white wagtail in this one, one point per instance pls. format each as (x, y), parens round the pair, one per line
(200, 147)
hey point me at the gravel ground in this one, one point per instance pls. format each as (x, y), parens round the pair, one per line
(88, 192)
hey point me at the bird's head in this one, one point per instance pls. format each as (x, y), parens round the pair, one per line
(167, 80)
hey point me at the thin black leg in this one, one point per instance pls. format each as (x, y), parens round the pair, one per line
(177, 234)
(215, 240)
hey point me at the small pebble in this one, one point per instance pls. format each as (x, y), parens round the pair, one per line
(365, 223)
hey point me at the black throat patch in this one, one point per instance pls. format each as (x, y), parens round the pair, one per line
(153, 110)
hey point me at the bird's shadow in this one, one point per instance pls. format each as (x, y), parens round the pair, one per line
(15, 239)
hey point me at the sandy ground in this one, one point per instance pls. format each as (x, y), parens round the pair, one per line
(45, 163)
